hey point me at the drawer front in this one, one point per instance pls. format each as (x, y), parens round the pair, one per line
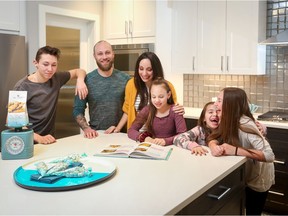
(278, 139)
(215, 199)
(279, 191)
(281, 154)
(275, 208)
(277, 199)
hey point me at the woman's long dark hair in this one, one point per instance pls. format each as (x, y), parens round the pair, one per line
(235, 104)
(152, 108)
(139, 84)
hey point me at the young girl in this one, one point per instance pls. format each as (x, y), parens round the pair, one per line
(195, 138)
(238, 134)
(161, 122)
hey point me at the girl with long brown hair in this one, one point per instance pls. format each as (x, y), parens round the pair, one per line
(161, 123)
(238, 134)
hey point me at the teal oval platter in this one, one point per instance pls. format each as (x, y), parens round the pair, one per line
(101, 170)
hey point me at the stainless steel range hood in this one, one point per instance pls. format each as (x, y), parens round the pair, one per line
(280, 39)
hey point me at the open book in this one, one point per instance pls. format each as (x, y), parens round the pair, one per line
(138, 150)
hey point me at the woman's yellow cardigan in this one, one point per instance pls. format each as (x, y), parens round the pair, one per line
(130, 97)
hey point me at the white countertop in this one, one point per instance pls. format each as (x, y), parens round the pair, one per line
(140, 186)
(194, 113)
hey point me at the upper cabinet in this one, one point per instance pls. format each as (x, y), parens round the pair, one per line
(184, 36)
(220, 37)
(10, 16)
(129, 19)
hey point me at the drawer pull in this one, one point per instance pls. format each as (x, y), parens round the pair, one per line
(276, 193)
(279, 162)
(221, 195)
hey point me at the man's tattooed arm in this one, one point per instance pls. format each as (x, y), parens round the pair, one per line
(81, 121)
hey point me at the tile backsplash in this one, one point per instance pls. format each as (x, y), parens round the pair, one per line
(269, 91)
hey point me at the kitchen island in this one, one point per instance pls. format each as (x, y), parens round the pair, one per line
(139, 186)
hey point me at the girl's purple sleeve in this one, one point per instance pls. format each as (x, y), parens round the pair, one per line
(133, 131)
(180, 125)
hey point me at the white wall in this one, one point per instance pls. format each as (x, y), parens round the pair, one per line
(163, 45)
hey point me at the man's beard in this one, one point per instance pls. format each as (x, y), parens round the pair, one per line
(107, 68)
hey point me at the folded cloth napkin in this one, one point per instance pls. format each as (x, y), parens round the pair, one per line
(52, 178)
(45, 179)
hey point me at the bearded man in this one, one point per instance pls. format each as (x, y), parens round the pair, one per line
(106, 87)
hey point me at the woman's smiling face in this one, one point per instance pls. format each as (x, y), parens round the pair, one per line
(145, 71)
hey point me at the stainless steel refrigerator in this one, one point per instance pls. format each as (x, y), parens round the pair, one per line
(13, 66)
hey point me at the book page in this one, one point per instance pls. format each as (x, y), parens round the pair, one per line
(150, 150)
(116, 150)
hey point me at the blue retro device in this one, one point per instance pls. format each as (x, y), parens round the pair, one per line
(17, 143)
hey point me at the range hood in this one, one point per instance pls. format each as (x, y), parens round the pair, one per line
(280, 39)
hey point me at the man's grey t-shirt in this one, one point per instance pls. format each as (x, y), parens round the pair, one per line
(42, 101)
(105, 99)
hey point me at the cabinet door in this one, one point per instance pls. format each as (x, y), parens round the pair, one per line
(10, 15)
(129, 19)
(211, 36)
(227, 36)
(242, 37)
(142, 18)
(116, 19)
(224, 198)
(191, 123)
(277, 200)
(184, 36)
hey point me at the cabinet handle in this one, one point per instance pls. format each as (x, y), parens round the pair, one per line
(279, 162)
(193, 63)
(227, 66)
(221, 195)
(277, 193)
(126, 28)
(222, 63)
(130, 27)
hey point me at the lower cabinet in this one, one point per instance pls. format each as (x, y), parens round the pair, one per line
(227, 197)
(277, 200)
(190, 123)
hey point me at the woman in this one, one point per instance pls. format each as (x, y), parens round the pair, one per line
(238, 134)
(161, 123)
(148, 68)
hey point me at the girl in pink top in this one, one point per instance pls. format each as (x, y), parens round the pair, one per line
(195, 138)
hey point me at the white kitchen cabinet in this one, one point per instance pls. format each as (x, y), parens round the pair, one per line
(211, 36)
(10, 16)
(184, 34)
(129, 19)
(227, 38)
(246, 27)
